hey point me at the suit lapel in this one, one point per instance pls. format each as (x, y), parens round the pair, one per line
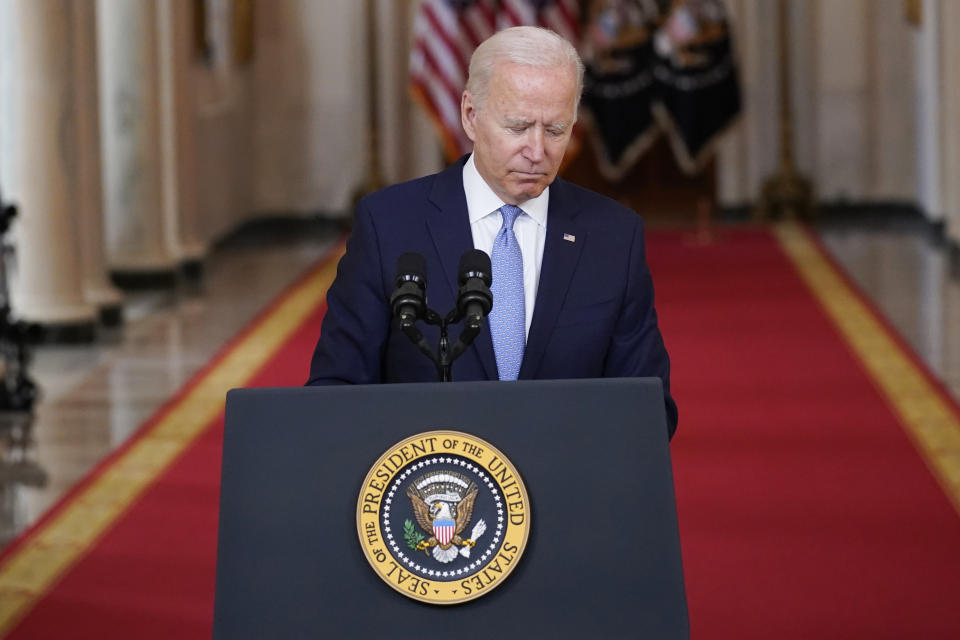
(561, 252)
(449, 227)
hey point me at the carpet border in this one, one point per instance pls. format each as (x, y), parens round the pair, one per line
(33, 563)
(927, 411)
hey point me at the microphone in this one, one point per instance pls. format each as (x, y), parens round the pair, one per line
(409, 300)
(474, 299)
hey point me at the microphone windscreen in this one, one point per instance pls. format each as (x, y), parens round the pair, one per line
(476, 263)
(412, 266)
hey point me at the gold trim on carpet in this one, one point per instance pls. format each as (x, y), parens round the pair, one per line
(926, 415)
(33, 569)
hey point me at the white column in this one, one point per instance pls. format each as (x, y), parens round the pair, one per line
(750, 152)
(181, 160)
(137, 228)
(96, 286)
(39, 161)
(895, 99)
(950, 116)
(927, 78)
(842, 88)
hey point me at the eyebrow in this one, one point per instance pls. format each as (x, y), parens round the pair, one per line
(520, 122)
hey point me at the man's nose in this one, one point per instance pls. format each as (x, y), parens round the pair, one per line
(534, 149)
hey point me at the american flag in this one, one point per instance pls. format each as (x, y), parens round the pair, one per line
(445, 33)
(562, 16)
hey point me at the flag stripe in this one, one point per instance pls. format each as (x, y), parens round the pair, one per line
(445, 36)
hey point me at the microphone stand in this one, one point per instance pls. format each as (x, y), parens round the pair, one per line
(445, 355)
(474, 302)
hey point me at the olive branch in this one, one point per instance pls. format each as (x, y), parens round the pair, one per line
(411, 535)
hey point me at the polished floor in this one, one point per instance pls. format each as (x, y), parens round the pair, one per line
(95, 396)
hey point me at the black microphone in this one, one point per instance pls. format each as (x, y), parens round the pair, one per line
(409, 300)
(474, 299)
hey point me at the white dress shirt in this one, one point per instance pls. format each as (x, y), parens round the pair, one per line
(483, 207)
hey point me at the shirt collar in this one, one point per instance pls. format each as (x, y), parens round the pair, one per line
(482, 201)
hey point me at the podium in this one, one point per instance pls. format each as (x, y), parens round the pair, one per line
(602, 558)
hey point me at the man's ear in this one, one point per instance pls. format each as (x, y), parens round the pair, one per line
(468, 115)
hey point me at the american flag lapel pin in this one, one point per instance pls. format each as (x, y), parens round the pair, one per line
(569, 237)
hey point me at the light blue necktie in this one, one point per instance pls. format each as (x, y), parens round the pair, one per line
(508, 315)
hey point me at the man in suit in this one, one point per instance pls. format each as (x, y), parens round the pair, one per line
(573, 297)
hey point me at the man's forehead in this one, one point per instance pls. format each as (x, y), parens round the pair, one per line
(506, 69)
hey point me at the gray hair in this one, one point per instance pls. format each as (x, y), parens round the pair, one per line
(530, 46)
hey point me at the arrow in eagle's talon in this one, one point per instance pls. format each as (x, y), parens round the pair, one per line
(471, 542)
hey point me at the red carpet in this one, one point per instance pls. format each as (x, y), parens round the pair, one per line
(805, 509)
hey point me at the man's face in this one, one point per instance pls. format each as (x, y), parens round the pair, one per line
(521, 132)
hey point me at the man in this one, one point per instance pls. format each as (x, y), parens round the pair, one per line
(573, 297)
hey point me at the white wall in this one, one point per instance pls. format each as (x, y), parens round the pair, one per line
(854, 100)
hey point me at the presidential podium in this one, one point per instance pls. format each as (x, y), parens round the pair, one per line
(602, 558)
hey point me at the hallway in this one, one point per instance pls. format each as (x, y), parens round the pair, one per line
(95, 396)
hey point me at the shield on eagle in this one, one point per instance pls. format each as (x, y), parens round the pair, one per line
(444, 529)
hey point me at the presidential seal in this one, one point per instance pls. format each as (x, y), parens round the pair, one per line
(443, 517)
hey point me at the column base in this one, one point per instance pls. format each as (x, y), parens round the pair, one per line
(141, 279)
(111, 315)
(81, 332)
(192, 270)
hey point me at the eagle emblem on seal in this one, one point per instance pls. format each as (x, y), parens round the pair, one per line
(443, 506)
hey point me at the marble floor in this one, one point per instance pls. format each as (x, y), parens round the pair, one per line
(95, 396)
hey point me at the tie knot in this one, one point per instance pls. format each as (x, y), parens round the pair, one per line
(510, 214)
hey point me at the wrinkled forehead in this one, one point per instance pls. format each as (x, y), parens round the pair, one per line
(562, 74)
(519, 90)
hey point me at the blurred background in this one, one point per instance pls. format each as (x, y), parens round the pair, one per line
(167, 167)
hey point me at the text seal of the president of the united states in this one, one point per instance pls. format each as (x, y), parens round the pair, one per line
(443, 517)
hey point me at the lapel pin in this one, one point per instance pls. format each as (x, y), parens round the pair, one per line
(569, 238)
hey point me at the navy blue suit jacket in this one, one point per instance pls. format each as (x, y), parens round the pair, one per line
(594, 315)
